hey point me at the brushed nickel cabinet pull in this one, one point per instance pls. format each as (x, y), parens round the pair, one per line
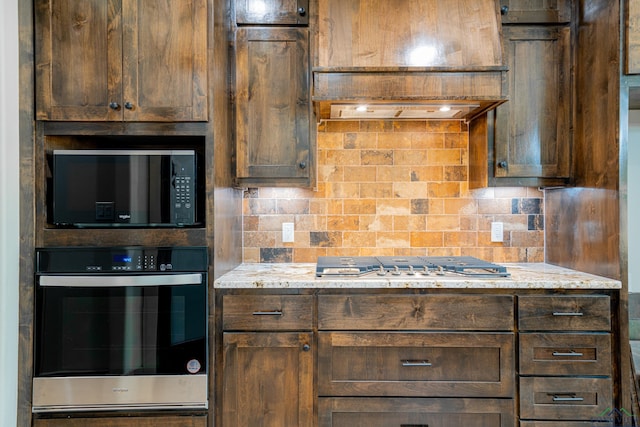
(568, 354)
(414, 425)
(415, 363)
(268, 313)
(569, 398)
(561, 313)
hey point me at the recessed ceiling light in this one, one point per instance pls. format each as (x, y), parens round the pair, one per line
(361, 108)
(445, 108)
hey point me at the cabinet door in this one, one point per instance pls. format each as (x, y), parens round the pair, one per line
(164, 62)
(78, 54)
(273, 111)
(283, 12)
(532, 129)
(535, 11)
(267, 379)
(165, 421)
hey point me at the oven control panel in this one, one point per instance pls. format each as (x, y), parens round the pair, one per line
(122, 260)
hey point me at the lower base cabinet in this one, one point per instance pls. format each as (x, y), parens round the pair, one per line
(160, 421)
(402, 412)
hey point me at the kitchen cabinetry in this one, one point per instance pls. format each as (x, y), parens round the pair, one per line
(266, 12)
(532, 137)
(542, 11)
(273, 109)
(565, 357)
(159, 421)
(267, 360)
(413, 352)
(121, 60)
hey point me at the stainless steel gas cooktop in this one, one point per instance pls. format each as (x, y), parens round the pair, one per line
(416, 266)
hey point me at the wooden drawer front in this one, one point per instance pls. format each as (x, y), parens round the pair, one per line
(161, 421)
(415, 364)
(564, 398)
(267, 312)
(564, 424)
(564, 313)
(385, 412)
(416, 312)
(565, 354)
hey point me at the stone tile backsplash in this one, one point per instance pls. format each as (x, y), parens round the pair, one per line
(393, 188)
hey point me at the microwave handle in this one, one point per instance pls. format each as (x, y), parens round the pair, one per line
(100, 281)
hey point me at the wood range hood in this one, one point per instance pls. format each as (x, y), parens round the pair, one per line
(408, 59)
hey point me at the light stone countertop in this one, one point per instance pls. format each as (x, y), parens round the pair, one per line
(302, 275)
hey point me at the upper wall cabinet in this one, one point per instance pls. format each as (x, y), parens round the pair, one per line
(532, 137)
(121, 60)
(535, 11)
(265, 12)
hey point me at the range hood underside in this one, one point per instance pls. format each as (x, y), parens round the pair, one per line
(406, 94)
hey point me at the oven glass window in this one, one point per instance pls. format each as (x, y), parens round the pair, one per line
(143, 330)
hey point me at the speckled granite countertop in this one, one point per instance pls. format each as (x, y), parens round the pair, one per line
(299, 275)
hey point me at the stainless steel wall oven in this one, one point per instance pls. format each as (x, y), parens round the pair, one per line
(120, 328)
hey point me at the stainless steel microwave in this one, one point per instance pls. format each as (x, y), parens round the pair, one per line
(124, 188)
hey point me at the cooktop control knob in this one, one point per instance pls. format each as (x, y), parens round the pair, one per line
(382, 271)
(425, 271)
(396, 271)
(440, 271)
(411, 272)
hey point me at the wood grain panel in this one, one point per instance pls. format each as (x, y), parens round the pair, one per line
(162, 421)
(408, 33)
(414, 412)
(564, 313)
(432, 312)
(415, 364)
(267, 312)
(282, 12)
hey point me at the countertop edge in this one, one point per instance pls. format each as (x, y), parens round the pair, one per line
(302, 276)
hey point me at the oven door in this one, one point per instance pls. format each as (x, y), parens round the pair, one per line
(125, 341)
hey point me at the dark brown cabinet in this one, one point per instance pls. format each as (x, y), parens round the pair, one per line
(540, 11)
(274, 136)
(121, 60)
(532, 130)
(159, 421)
(267, 370)
(272, 106)
(282, 12)
(565, 370)
(411, 360)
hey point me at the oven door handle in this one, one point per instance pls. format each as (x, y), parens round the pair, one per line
(99, 281)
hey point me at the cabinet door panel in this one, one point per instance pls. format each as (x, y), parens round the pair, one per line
(283, 12)
(565, 354)
(565, 398)
(536, 11)
(532, 129)
(273, 116)
(78, 59)
(268, 379)
(405, 412)
(164, 421)
(415, 364)
(164, 61)
(564, 313)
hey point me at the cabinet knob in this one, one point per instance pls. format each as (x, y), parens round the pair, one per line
(502, 164)
(302, 11)
(303, 165)
(306, 347)
(114, 106)
(504, 10)
(128, 105)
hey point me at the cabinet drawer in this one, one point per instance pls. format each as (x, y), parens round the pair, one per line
(565, 354)
(163, 421)
(384, 412)
(564, 313)
(564, 398)
(564, 424)
(267, 312)
(416, 364)
(416, 312)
